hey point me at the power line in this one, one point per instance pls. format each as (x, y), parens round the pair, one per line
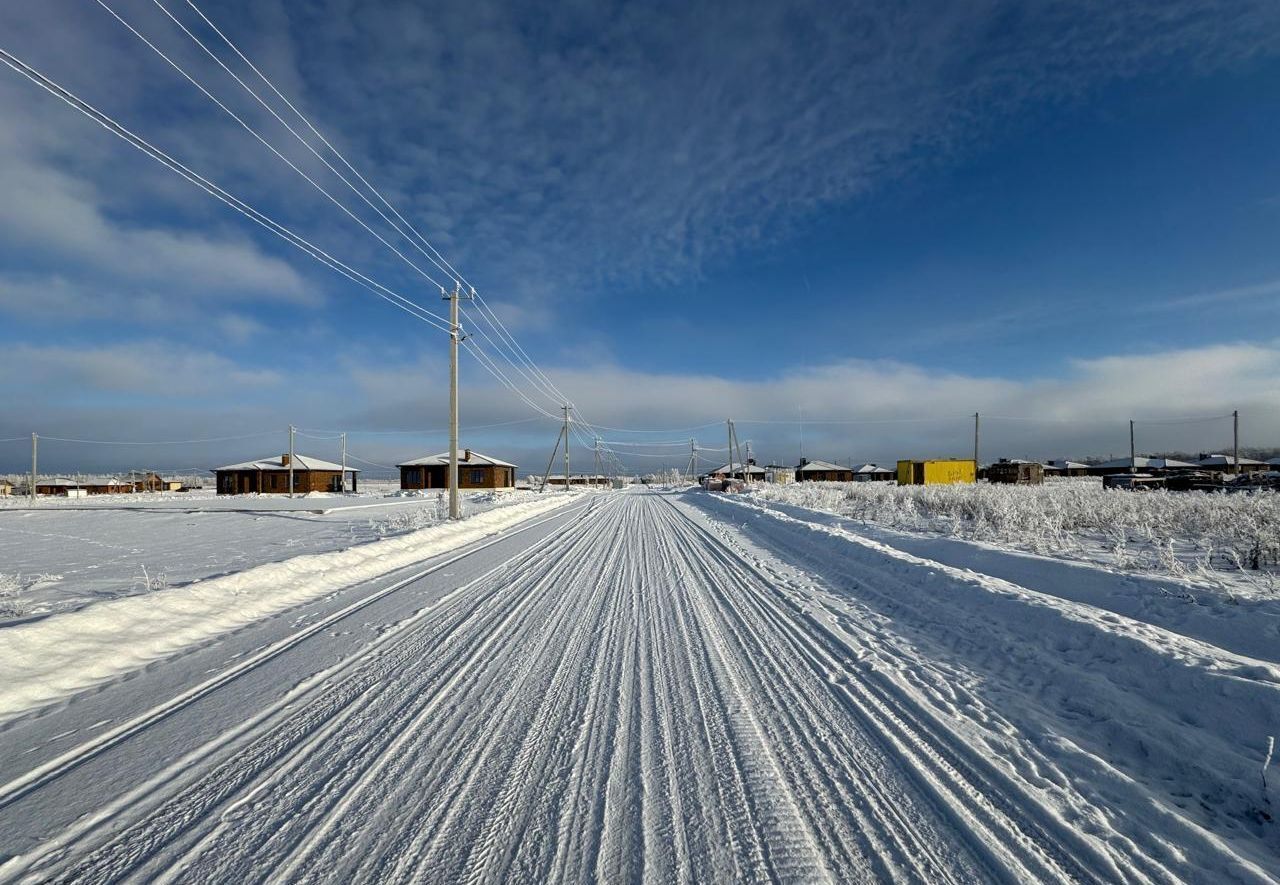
(447, 266)
(268, 145)
(141, 144)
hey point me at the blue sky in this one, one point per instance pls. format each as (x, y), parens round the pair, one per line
(1063, 214)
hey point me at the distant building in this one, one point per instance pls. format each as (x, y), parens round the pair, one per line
(822, 471)
(113, 486)
(61, 487)
(937, 472)
(1016, 472)
(270, 476)
(872, 473)
(734, 470)
(583, 479)
(475, 471)
(779, 475)
(1065, 468)
(1141, 464)
(1227, 464)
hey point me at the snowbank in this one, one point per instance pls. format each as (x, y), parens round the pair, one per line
(49, 659)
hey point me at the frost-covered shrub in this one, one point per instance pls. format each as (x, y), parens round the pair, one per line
(1155, 531)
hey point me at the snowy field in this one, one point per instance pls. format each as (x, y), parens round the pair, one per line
(63, 553)
(1216, 541)
(656, 686)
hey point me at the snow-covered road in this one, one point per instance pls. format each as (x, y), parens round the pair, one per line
(657, 687)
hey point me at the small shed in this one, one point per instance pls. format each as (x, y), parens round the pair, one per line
(1016, 472)
(872, 473)
(822, 471)
(779, 475)
(6, 488)
(942, 471)
(270, 476)
(475, 471)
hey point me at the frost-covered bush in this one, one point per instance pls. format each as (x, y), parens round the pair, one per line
(1151, 530)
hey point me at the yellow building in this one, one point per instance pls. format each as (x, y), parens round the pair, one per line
(928, 473)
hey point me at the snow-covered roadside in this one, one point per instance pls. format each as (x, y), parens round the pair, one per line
(52, 658)
(1191, 605)
(1228, 544)
(1170, 731)
(56, 559)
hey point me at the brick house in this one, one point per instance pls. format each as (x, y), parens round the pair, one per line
(475, 471)
(270, 476)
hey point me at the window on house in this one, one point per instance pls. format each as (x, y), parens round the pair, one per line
(477, 477)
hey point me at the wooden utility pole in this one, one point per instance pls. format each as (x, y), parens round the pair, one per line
(1235, 441)
(35, 444)
(290, 461)
(599, 469)
(344, 463)
(693, 460)
(1133, 452)
(746, 465)
(728, 423)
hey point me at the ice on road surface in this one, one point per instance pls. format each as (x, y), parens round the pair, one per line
(661, 687)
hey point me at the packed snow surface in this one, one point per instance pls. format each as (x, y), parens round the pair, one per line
(643, 686)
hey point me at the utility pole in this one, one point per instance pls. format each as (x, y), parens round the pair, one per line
(599, 472)
(1235, 441)
(566, 448)
(455, 337)
(34, 446)
(801, 434)
(975, 440)
(1133, 452)
(746, 465)
(290, 461)
(728, 423)
(344, 463)
(693, 459)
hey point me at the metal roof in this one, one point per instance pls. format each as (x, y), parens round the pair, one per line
(300, 462)
(872, 468)
(1225, 460)
(820, 466)
(1151, 463)
(736, 468)
(442, 460)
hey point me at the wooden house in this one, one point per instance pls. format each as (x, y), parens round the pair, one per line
(822, 471)
(475, 471)
(1016, 472)
(112, 486)
(270, 476)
